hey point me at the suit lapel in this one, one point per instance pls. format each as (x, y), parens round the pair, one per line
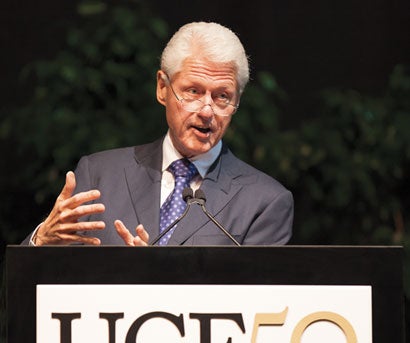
(144, 185)
(219, 188)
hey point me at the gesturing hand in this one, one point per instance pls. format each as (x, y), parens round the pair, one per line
(61, 226)
(141, 239)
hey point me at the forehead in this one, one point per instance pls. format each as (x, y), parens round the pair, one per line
(205, 71)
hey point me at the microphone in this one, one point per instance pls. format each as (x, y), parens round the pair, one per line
(188, 196)
(200, 200)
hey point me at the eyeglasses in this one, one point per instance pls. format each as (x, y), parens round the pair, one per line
(221, 107)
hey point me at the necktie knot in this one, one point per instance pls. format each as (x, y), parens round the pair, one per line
(183, 168)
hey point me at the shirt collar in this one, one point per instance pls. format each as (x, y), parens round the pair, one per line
(202, 162)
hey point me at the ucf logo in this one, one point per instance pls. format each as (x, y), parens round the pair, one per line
(205, 324)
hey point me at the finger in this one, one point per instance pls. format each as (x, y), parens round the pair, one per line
(75, 238)
(82, 226)
(142, 233)
(81, 198)
(65, 237)
(74, 214)
(138, 242)
(69, 186)
(124, 232)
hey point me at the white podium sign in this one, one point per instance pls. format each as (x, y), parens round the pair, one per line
(203, 314)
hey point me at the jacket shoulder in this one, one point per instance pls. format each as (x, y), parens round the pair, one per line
(247, 175)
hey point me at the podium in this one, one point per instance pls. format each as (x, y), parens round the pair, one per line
(28, 269)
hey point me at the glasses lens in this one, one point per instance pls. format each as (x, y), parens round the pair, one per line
(192, 105)
(197, 105)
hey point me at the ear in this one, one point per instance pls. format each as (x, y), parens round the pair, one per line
(162, 88)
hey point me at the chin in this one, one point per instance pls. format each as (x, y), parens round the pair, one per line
(197, 149)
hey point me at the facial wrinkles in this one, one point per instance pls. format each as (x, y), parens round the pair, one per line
(209, 77)
(223, 74)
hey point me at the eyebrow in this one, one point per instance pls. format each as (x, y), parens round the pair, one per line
(225, 88)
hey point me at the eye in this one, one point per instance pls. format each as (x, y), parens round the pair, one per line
(223, 97)
(191, 93)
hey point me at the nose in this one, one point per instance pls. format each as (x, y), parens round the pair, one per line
(206, 114)
(207, 99)
(207, 110)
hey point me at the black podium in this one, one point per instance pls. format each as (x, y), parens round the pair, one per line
(378, 267)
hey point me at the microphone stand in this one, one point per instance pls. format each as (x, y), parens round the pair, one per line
(187, 195)
(200, 200)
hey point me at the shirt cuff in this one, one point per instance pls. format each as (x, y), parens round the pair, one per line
(31, 243)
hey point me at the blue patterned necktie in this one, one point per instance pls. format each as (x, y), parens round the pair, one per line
(183, 171)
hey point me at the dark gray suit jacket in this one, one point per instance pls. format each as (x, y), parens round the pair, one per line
(252, 206)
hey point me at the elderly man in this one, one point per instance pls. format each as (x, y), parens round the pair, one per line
(130, 195)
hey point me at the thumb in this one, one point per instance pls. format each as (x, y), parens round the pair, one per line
(69, 186)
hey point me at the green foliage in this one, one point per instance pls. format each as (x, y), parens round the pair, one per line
(98, 93)
(255, 127)
(348, 167)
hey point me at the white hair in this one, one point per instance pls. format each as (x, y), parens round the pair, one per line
(215, 42)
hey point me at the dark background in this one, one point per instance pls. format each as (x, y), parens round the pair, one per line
(308, 46)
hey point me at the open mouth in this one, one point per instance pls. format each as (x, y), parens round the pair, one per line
(202, 129)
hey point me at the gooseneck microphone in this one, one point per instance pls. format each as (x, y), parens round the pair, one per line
(200, 200)
(188, 196)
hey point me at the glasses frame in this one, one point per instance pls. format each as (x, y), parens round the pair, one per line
(181, 100)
